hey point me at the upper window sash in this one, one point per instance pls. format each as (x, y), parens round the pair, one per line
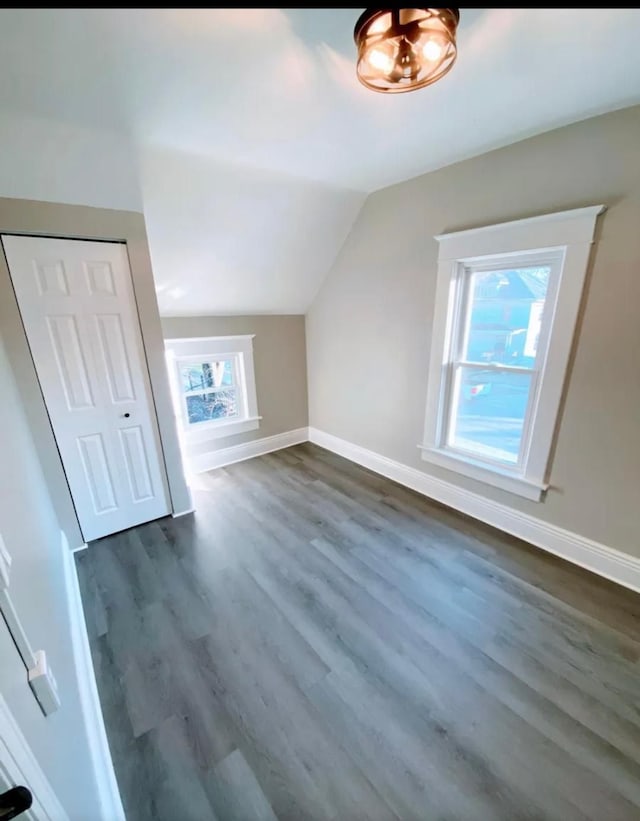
(206, 359)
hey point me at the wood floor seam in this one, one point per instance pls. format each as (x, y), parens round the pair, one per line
(317, 643)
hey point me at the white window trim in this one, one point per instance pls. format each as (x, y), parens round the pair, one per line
(567, 232)
(204, 348)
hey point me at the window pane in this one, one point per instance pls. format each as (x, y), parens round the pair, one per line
(489, 416)
(207, 406)
(504, 316)
(215, 374)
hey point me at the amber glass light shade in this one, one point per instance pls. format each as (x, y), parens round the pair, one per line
(405, 49)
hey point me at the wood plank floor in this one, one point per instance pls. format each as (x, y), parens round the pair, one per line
(317, 642)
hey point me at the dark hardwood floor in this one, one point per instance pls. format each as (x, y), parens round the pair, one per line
(317, 642)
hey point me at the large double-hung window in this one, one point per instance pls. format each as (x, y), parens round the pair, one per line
(507, 301)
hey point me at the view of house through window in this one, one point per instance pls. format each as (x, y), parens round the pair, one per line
(494, 371)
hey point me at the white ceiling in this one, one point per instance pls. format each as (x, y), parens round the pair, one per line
(251, 140)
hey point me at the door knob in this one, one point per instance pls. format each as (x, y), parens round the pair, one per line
(126, 415)
(14, 802)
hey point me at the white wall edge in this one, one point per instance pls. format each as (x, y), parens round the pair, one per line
(102, 764)
(183, 513)
(79, 548)
(605, 561)
(19, 765)
(200, 463)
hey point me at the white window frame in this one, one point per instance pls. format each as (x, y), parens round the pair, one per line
(210, 349)
(563, 241)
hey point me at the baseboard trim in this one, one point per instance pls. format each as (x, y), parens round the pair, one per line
(594, 556)
(102, 765)
(183, 513)
(247, 450)
(79, 548)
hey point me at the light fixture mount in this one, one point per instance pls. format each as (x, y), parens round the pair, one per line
(405, 49)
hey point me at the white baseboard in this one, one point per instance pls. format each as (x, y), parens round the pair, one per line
(79, 548)
(605, 561)
(237, 453)
(183, 513)
(102, 765)
(18, 765)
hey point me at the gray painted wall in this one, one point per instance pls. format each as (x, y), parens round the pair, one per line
(369, 329)
(32, 535)
(280, 365)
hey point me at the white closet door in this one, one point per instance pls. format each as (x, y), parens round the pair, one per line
(79, 313)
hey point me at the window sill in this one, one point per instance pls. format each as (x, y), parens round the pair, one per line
(504, 480)
(218, 430)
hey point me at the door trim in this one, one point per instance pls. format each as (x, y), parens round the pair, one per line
(62, 221)
(19, 766)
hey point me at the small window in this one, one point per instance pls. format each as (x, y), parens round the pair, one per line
(506, 305)
(213, 385)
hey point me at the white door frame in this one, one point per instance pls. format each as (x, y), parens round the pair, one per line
(80, 222)
(18, 766)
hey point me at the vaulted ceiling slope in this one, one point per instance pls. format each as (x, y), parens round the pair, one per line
(246, 139)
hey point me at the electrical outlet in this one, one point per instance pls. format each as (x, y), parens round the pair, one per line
(43, 684)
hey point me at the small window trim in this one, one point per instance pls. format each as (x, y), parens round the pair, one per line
(566, 236)
(203, 349)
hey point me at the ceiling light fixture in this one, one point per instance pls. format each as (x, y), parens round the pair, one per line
(405, 49)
